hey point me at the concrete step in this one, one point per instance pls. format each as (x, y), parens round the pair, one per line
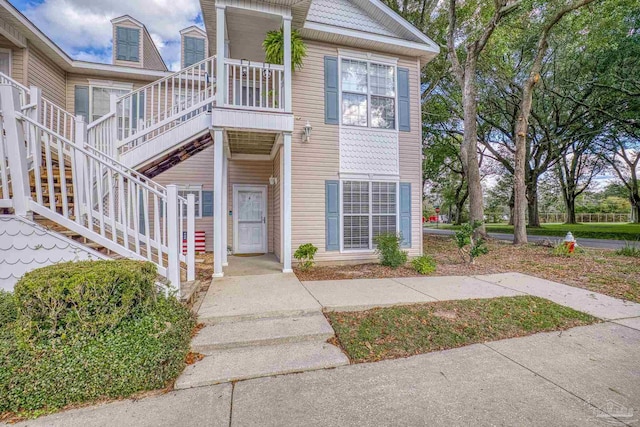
(262, 332)
(260, 361)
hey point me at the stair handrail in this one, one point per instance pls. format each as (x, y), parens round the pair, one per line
(153, 104)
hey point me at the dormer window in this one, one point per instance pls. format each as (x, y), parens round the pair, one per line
(194, 48)
(128, 44)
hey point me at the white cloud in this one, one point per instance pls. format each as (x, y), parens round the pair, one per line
(83, 27)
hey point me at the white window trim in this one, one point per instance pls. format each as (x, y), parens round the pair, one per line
(369, 58)
(371, 249)
(10, 52)
(193, 188)
(105, 84)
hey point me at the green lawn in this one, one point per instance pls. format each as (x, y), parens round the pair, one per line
(389, 333)
(618, 231)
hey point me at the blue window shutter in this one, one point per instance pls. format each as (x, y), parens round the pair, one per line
(332, 216)
(207, 203)
(405, 214)
(331, 98)
(193, 50)
(127, 44)
(82, 102)
(404, 100)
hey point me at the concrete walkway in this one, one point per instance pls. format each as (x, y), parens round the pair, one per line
(588, 376)
(585, 376)
(587, 243)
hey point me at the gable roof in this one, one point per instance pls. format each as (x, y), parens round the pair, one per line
(367, 24)
(25, 31)
(146, 35)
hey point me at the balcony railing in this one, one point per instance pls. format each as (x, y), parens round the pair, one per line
(254, 85)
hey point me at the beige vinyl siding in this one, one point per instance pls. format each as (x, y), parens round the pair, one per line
(17, 59)
(277, 212)
(195, 170)
(411, 155)
(151, 58)
(127, 24)
(45, 74)
(251, 173)
(317, 161)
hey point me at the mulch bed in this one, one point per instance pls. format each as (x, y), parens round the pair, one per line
(355, 271)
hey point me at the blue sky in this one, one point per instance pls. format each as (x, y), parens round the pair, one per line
(82, 28)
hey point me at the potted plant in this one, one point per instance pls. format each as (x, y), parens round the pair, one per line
(273, 45)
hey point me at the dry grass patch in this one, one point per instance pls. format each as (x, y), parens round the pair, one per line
(389, 333)
(598, 270)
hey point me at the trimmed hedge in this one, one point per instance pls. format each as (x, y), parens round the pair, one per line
(82, 298)
(145, 349)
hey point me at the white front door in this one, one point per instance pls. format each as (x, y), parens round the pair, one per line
(250, 219)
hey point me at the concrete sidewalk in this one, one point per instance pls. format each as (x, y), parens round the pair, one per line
(587, 376)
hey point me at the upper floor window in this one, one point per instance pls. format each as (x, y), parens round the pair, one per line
(127, 44)
(5, 62)
(368, 94)
(193, 50)
(100, 100)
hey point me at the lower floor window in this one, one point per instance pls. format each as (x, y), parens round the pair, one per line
(368, 210)
(196, 190)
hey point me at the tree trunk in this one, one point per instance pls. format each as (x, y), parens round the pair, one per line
(519, 185)
(469, 147)
(532, 204)
(570, 202)
(511, 207)
(635, 208)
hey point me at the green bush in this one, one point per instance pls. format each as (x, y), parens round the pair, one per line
(305, 254)
(424, 264)
(71, 300)
(388, 249)
(469, 246)
(142, 353)
(8, 310)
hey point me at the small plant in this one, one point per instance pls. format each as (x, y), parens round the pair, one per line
(305, 254)
(273, 45)
(388, 249)
(629, 249)
(469, 246)
(562, 249)
(424, 264)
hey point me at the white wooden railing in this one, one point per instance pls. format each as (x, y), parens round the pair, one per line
(23, 90)
(254, 85)
(105, 202)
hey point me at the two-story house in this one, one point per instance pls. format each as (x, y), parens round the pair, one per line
(262, 158)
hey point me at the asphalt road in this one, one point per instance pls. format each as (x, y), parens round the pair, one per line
(586, 243)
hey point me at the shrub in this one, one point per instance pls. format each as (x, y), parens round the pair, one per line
(142, 353)
(468, 245)
(388, 249)
(629, 249)
(70, 300)
(8, 310)
(305, 254)
(424, 264)
(561, 249)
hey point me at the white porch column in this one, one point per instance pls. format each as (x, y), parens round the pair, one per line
(218, 220)
(220, 54)
(16, 149)
(79, 168)
(174, 241)
(286, 226)
(286, 23)
(225, 211)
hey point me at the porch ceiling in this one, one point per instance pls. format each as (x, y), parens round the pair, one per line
(244, 142)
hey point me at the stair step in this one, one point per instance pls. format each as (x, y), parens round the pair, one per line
(262, 332)
(261, 361)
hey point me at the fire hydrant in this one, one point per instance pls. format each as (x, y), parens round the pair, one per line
(570, 242)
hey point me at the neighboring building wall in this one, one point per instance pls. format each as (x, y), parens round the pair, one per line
(319, 160)
(17, 60)
(26, 246)
(45, 74)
